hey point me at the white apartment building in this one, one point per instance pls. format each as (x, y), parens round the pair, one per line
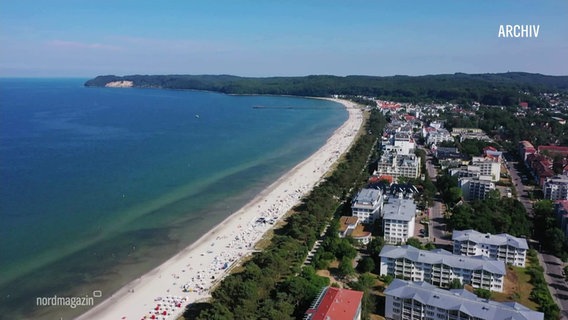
(475, 188)
(438, 136)
(487, 167)
(398, 220)
(367, 205)
(396, 165)
(504, 247)
(440, 267)
(556, 188)
(405, 142)
(423, 301)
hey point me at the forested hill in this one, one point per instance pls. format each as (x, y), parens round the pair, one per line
(498, 88)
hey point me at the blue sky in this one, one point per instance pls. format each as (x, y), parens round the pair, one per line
(267, 38)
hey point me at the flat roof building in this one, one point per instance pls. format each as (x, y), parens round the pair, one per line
(367, 205)
(350, 227)
(398, 220)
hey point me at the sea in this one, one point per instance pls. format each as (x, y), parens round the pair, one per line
(100, 185)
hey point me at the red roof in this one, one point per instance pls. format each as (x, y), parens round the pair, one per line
(553, 149)
(337, 304)
(489, 148)
(524, 104)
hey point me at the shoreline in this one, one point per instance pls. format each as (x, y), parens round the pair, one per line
(198, 267)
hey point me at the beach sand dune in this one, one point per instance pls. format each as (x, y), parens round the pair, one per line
(188, 277)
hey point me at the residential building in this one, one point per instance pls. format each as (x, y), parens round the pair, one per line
(367, 205)
(438, 136)
(552, 151)
(504, 247)
(556, 188)
(540, 166)
(459, 131)
(398, 220)
(396, 165)
(526, 148)
(404, 141)
(493, 154)
(470, 133)
(336, 303)
(423, 301)
(440, 267)
(475, 188)
(350, 227)
(487, 167)
(442, 153)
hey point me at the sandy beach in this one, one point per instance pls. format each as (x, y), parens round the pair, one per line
(187, 277)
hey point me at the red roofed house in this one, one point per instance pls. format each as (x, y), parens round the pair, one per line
(524, 105)
(554, 150)
(409, 117)
(492, 153)
(336, 304)
(541, 166)
(526, 148)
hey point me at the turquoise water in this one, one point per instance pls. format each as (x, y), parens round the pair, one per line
(99, 185)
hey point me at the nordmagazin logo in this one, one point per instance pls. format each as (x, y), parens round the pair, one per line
(71, 302)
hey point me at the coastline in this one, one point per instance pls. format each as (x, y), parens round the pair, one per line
(199, 266)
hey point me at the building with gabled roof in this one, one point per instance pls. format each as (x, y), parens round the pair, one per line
(504, 247)
(336, 304)
(440, 267)
(423, 301)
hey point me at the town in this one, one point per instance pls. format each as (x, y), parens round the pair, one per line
(432, 265)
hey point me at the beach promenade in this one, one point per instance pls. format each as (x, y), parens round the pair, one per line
(188, 277)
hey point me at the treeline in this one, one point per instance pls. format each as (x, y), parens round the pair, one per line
(547, 230)
(540, 293)
(509, 128)
(490, 89)
(493, 215)
(272, 284)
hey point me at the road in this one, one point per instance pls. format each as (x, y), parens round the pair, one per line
(556, 281)
(552, 265)
(437, 226)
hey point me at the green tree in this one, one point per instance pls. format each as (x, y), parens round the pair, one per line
(367, 264)
(346, 267)
(414, 242)
(456, 284)
(482, 293)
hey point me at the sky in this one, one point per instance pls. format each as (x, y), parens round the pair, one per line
(77, 38)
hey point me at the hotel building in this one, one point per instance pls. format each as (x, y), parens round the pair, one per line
(396, 165)
(367, 205)
(440, 267)
(504, 247)
(556, 188)
(422, 301)
(475, 188)
(398, 220)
